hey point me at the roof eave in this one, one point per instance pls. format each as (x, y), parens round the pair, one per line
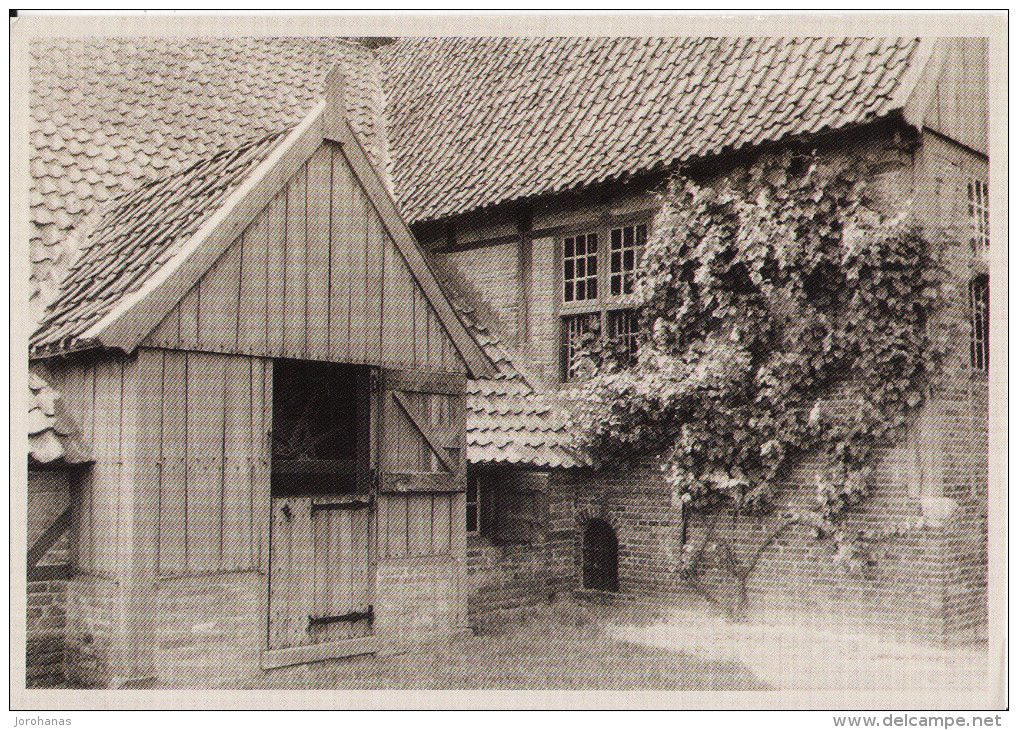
(76, 346)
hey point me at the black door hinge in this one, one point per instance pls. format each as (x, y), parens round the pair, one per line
(351, 617)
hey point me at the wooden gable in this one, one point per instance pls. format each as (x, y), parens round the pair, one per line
(315, 276)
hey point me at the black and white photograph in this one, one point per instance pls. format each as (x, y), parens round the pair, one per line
(643, 358)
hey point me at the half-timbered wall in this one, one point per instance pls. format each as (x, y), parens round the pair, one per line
(315, 276)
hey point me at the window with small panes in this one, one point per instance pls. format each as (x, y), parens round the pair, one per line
(979, 321)
(979, 216)
(598, 274)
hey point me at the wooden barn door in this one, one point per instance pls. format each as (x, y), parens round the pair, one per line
(421, 505)
(322, 546)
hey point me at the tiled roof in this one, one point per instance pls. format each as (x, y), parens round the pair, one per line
(510, 418)
(136, 234)
(479, 121)
(109, 114)
(53, 438)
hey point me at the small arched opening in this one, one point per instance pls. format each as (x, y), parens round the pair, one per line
(600, 557)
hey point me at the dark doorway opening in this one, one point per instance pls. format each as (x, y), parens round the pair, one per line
(600, 557)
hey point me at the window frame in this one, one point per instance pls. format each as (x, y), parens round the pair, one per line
(606, 303)
(978, 290)
(978, 193)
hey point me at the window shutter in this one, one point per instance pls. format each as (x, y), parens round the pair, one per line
(423, 432)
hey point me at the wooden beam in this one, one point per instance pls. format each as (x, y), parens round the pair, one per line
(335, 109)
(48, 539)
(420, 382)
(385, 206)
(425, 430)
(275, 658)
(421, 482)
(136, 315)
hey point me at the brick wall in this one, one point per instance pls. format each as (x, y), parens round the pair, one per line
(928, 585)
(46, 600)
(415, 596)
(44, 649)
(210, 629)
(91, 611)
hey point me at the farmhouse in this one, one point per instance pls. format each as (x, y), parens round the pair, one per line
(306, 303)
(544, 160)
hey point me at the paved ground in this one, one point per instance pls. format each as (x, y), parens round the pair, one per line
(576, 646)
(804, 658)
(565, 646)
(586, 645)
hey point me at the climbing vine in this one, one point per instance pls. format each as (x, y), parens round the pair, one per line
(780, 314)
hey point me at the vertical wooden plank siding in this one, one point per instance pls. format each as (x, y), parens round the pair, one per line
(217, 304)
(301, 571)
(342, 567)
(237, 456)
(88, 497)
(275, 276)
(167, 334)
(320, 567)
(436, 336)
(253, 269)
(324, 544)
(319, 230)
(361, 557)
(339, 268)
(421, 312)
(74, 393)
(314, 276)
(280, 584)
(106, 470)
(419, 524)
(382, 527)
(294, 343)
(204, 461)
(261, 423)
(212, 503)
(189, 319)
(441, 527)
(360, 279)
(397, 529)
(376, 307)
(141, 454)
(251, 305)
(394, 305)
(172, 538)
